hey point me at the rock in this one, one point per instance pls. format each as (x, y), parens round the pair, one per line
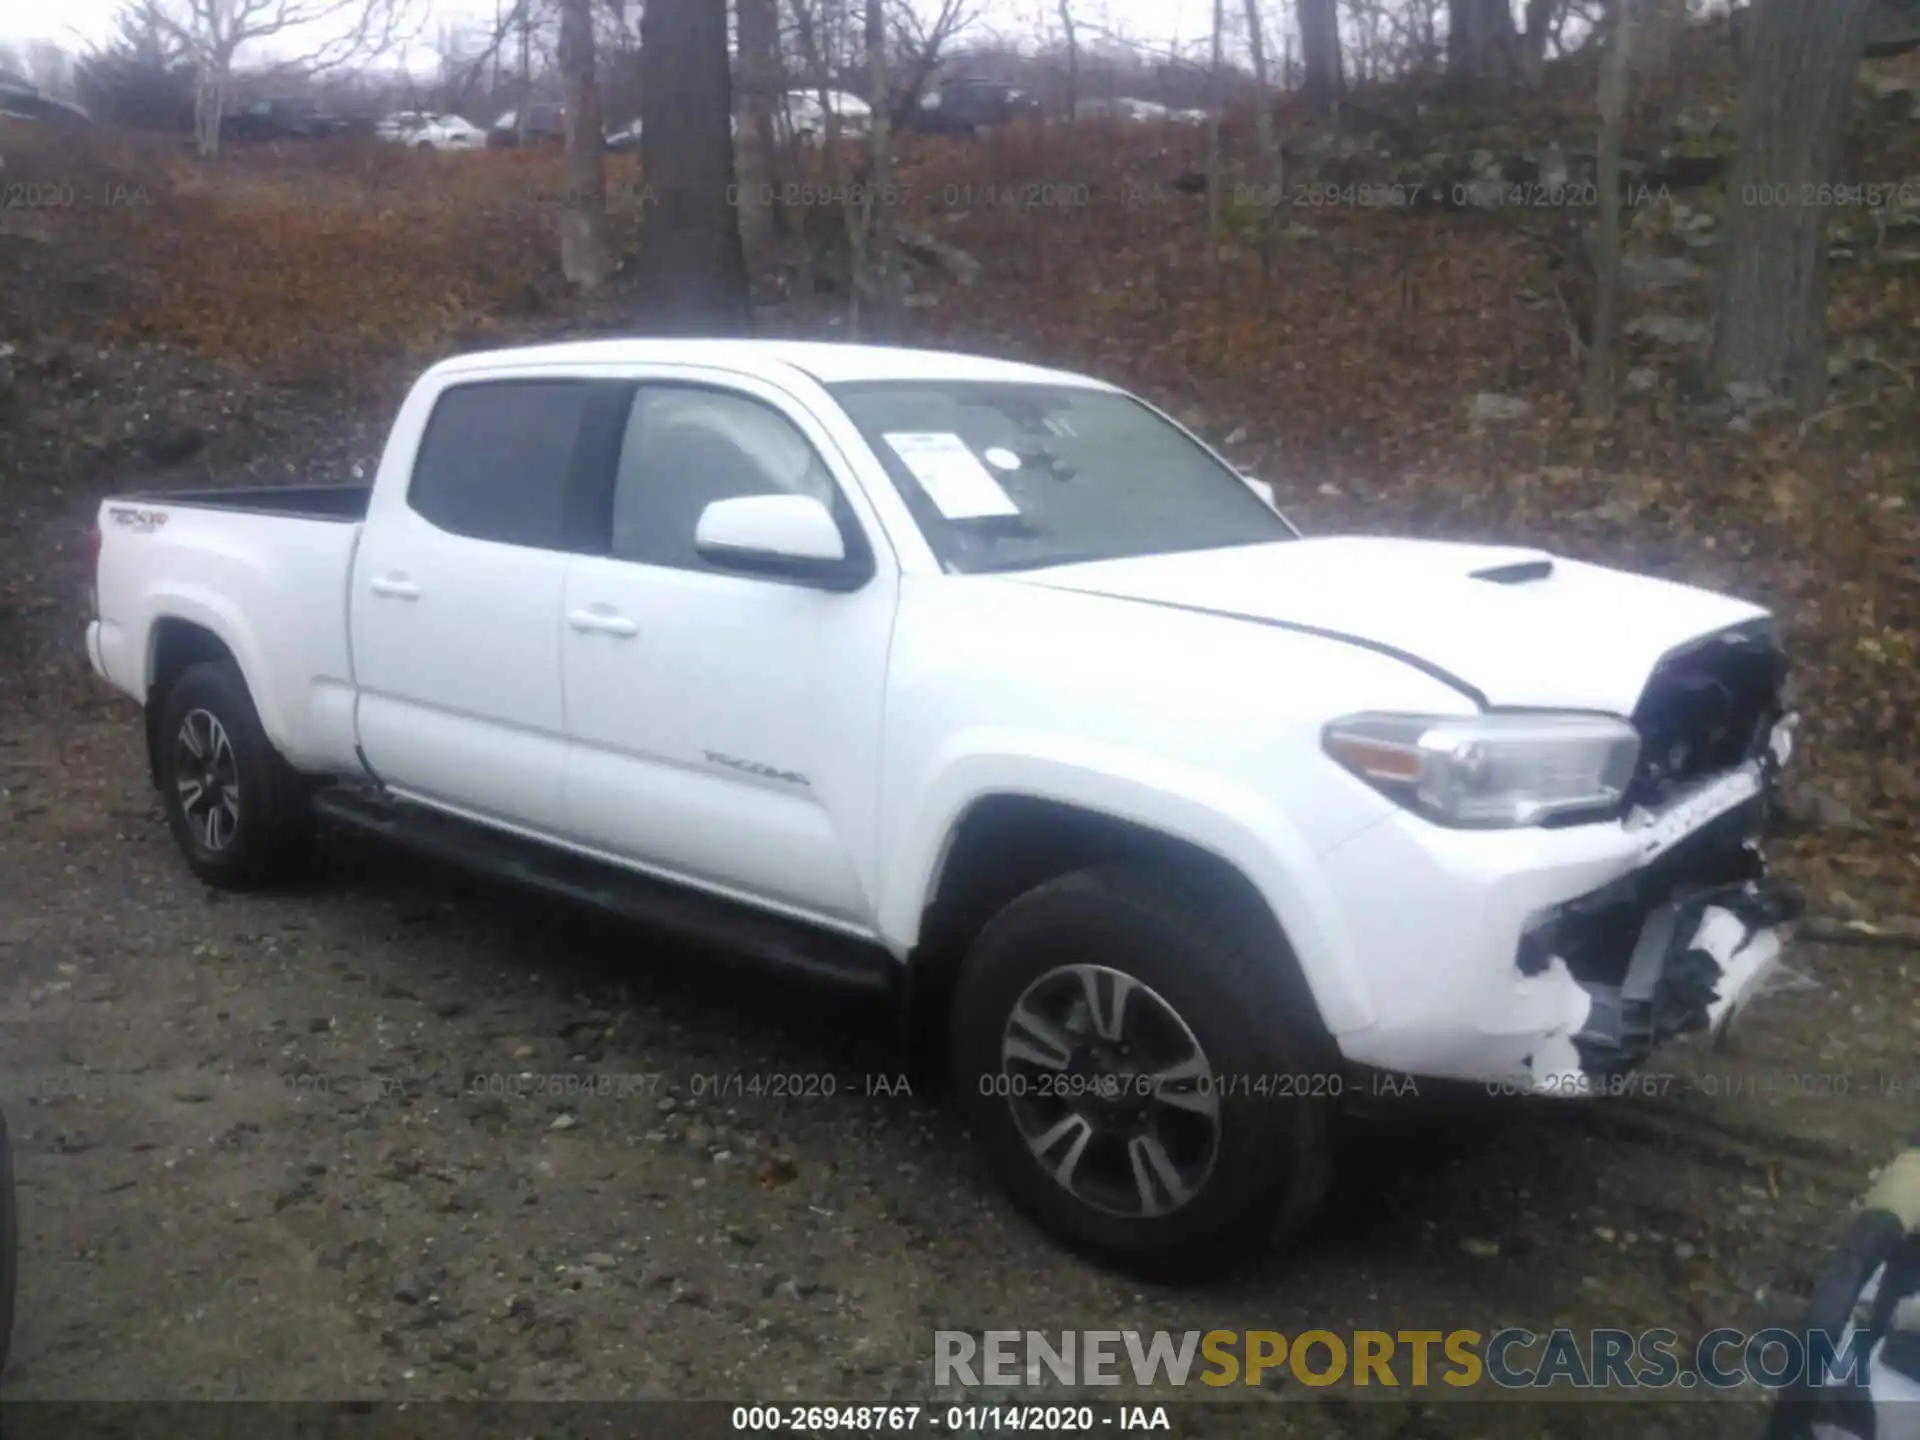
(941, 255)
(563, 1122)
(1885, 84)
(407, 1291)
(1483, 194)
(170, 443)
(1674, 330)
(699, 1137)
(552, 1339)
(1819, 808)
(1489, 408)
(599, 1260)
(1658, 272)
(1481, 1249)
(1640, 380)
(1699, 122)
(1751, 394)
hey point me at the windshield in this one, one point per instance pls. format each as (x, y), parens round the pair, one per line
(1016, 476)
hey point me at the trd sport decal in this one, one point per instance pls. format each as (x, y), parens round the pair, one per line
(144, 520)
(754, 767)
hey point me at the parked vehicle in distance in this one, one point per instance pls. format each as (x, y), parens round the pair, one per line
(282, 118)
(425, 130)
(448, 132)
(1140, 112)
(991, 688)
(21, 99)
(805, 118)
(546, 125)
(967, 107)
(396, 127)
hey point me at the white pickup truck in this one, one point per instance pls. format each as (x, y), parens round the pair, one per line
(995, 687)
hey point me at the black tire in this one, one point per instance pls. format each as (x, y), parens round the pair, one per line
(1224, 973)
(9, 1244)
(267, 827)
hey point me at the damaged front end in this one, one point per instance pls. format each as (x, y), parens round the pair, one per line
(1682, 942)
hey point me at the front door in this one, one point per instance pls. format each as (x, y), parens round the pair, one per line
(726, 726)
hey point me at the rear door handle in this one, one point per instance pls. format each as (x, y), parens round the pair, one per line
(395, 587)
(602, 623)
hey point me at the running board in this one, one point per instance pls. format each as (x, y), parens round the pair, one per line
(685, 913)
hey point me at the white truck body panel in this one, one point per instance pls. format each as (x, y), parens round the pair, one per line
(812, 753)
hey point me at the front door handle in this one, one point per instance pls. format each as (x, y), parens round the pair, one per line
(601, 623)
(394, 587)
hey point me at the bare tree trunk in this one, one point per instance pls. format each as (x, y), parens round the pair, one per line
(876, 205)
(1218, 91)
(208, 95)
(1263, 111)
(1320, 53)
(691, 269)
(522, 117)
(1770, 320)
(1542, 18)
(585, 258)
(1481, 42)
(756, 143)
(1616, 79)
(1073, 58)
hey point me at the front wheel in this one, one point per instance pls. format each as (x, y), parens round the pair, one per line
(1144, 1071)
(238, 811)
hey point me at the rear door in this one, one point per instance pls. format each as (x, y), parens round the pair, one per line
(455, 609)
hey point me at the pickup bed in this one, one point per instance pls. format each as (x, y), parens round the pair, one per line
(994, 688)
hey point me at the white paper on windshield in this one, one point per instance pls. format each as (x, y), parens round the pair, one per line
(958, 484)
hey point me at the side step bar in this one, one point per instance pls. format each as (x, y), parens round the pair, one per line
(687, 914)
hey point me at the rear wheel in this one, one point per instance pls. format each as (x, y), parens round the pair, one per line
(238, 811)
(1144, 1071)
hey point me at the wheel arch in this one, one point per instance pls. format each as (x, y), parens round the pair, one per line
(174, 645)
(1002, 843)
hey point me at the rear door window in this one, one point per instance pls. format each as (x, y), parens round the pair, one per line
(497, 460)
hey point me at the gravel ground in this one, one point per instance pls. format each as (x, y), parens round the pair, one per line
(395, 1133)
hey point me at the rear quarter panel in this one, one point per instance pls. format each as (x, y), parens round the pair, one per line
(271, 588)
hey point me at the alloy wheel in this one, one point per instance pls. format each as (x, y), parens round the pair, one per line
(1111, 1091)
(208, 778)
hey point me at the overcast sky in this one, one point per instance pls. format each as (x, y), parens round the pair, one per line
(77, 24)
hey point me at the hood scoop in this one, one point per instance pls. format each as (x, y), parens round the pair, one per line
(1518, 573)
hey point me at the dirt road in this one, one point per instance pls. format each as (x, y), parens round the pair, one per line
(394, 1133)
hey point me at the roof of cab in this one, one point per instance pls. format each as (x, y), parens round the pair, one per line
(830, 364)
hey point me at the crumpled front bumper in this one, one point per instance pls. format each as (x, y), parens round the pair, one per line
(1695, 965)
(1676, 948)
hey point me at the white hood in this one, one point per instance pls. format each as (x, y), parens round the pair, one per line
(1583, 637)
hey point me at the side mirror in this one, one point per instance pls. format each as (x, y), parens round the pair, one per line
(1261, 488)
(789, 536)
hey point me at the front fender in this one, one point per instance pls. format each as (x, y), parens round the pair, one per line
(1168, 797)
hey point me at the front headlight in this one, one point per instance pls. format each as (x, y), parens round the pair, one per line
(1492, 771)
